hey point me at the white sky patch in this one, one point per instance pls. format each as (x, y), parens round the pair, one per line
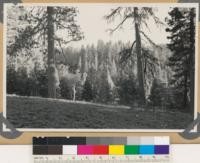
(95, 27)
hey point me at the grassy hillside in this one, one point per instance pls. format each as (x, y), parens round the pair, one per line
(30, 112)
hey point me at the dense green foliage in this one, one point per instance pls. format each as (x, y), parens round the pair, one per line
(156, 97)
(128, 92)
(87, 93)
(182, 44)
(20, 83)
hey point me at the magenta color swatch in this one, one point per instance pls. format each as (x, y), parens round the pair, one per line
(85, 149)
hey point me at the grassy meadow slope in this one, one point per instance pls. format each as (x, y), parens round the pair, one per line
(35, 112)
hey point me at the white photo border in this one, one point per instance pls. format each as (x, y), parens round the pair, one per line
(195, 5)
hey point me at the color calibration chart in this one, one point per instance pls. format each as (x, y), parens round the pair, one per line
(101, 149)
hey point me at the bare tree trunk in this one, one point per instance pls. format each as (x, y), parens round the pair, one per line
(51, 58)
(74, 92)
(140, 72)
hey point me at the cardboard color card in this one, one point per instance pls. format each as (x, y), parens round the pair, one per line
(111, 69)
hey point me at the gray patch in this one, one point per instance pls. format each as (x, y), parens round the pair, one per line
(188, 134)
(191, 1)
(8, 134)
(1, 6)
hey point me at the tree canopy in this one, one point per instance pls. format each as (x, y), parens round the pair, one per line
(182, 44)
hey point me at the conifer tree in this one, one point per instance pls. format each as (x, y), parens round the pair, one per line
(182, 44)
(140, 17)
(40, 32)
(87, 91)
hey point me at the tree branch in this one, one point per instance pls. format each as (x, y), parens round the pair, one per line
(127, 53)
(62, 51)
(119, 25)
(112, 14)
(150, 41)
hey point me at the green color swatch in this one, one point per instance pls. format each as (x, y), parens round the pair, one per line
(131, 149)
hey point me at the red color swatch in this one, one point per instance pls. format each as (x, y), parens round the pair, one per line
(100, 149)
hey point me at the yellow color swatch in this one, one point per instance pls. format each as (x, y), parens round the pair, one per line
(116, 149)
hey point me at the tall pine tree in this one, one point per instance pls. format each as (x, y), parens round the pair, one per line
(140, 17)
(182, 44)
(39, 31)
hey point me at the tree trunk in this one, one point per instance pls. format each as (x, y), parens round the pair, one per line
(74, 92)
(51, 57)
(140, 73)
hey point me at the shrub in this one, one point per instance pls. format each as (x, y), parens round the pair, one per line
(127, 91)
(156, 93)
(87, 94)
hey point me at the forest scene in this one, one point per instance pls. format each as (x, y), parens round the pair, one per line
(100, 67)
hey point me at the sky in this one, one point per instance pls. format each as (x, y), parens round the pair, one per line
(95, 27)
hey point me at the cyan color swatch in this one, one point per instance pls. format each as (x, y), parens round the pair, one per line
(146, 149)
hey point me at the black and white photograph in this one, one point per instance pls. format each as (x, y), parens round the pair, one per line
(100, 67)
